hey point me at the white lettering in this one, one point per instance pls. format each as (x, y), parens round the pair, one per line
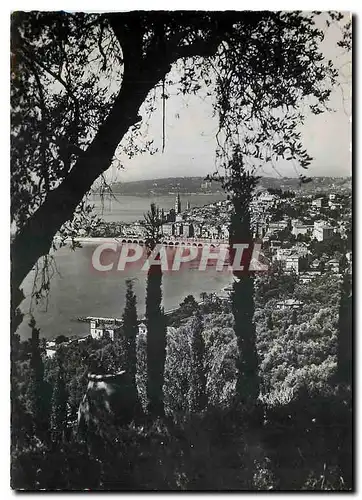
(125, 256)
(152, 261)
(239, 247)
(181, 256)
(208, 255)
(96, 262)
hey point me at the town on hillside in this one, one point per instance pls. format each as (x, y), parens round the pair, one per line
(306, 234)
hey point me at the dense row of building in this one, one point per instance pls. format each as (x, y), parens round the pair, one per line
(289, 241)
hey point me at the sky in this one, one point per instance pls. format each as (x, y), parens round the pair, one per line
(190, 142)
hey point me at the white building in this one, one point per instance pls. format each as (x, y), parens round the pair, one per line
(333, 265)
(300, 249)
(289, 304)
(178, 229)
(291, 257)
(317, 203)
(266, 197)
(275, 244)
(225, 231)
(300, 228)
(322, 231)
(99, 329)
(167, 229)
(142, 329)
(277, 226)
(187, 230)
(292, 264)
(334, 206)
(309, 276)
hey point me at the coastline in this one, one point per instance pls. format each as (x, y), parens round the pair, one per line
(162, 195)
(90, 240)
(95, 240)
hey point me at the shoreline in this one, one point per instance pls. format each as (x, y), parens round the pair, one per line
(162, 195)
(91, 240)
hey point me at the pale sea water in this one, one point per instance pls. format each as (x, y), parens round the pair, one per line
(133, 208)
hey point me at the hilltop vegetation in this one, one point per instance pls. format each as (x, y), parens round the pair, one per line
(303, 440)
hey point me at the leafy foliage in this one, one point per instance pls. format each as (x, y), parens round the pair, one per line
(79, 82)
(130, 331)
(239, 185)
(59, 414)
(156, 340)
(37, 394)
(197, 391)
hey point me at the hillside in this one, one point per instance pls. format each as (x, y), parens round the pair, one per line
(185, 185)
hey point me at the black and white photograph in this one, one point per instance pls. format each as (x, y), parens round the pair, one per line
(181, 250)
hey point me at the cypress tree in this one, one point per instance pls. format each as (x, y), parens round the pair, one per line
(130, 329)
(58, 419)
(243, 310)
(240, 185)
(155, 319)
(156, 341)
(37, 394)
(197, 392)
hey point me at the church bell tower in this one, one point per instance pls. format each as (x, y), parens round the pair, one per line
(178, 204)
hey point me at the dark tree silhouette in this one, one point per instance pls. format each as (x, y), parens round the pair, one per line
(240, 184)
(155, 318)
(197, 391)
(37, 392)
(152, 224)
(130, 331)
(58, 418)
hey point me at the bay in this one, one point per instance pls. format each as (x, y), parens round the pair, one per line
(132, 208)
(78, 290)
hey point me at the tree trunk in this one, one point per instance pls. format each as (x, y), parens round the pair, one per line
(243, 307)
(141, 74)
(35, 238)
(156, 341)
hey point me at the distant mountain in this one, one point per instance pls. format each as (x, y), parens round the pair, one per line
(166, 186)
(326, 184)
(183, 185)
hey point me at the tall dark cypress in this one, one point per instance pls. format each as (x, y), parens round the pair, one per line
(240, 185)
(155, 320)
(197, 392)
(130, 329)
(37, 394)
(156, 341)
(58, 419)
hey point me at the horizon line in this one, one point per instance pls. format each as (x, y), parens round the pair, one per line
(204, 177)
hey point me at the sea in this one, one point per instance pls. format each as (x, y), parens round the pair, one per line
(77, 290)
(132, 208)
